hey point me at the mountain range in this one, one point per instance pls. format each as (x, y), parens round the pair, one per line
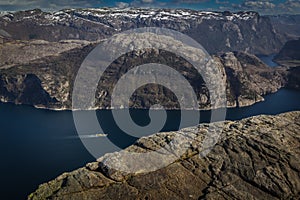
(216, 31)
(41, 52)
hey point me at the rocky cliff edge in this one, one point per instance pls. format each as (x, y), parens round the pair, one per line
(255, 158)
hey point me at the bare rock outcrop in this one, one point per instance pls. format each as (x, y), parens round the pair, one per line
(255, 158)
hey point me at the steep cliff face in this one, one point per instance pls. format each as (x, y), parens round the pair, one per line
(216, 31)
(256, 158)
(294, 78)
(48, 67)
(24, 89)
(289, 55)
(247, 77)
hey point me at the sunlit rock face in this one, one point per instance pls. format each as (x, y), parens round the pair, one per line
(256, 157)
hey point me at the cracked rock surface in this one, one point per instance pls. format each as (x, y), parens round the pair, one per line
(254, 158)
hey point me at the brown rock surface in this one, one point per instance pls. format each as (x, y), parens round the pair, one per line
(255, 158)
(55, 65)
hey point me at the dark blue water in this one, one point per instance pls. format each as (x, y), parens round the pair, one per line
(38, 145)
(268, 59)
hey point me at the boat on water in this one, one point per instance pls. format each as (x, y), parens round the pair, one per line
(92, 136)
(101, 135)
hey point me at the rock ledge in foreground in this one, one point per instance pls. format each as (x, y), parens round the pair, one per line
(255, 158)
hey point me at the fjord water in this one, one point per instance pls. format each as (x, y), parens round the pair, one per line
(37, 145)
(268, 59)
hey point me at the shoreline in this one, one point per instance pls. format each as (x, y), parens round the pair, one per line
(124, 108)
(170, 109)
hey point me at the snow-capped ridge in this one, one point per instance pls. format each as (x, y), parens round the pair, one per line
(110, 14)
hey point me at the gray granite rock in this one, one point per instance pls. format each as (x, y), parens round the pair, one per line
(255, 158)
